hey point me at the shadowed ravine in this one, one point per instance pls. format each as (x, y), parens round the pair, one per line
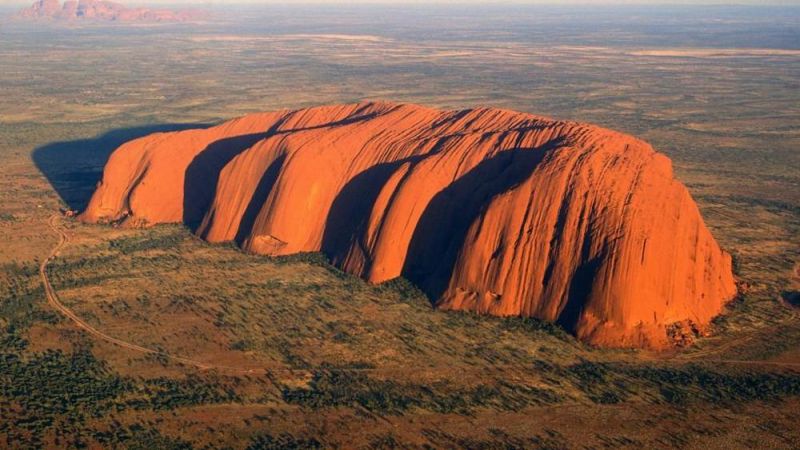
(442, 229)
(201, 176)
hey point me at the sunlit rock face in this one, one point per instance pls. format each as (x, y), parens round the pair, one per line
(487, 210)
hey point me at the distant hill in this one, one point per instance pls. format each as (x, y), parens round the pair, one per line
(103, 10)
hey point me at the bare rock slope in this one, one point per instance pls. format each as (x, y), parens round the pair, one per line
(487, 210)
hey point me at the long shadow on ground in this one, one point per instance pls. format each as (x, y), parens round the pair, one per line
(74, 168)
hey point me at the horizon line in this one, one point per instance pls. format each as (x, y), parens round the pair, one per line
(424, 3)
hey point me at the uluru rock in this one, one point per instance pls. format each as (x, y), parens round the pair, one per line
(103, 10)
(487, 210)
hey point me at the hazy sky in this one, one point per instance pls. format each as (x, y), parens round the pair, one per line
(345, 2)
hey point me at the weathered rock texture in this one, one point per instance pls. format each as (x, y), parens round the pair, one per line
(487, 210)
(102, 10)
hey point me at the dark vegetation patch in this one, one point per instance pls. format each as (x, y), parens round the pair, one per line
(310, 258)
(94, 270)
(168, 393)
(283, 441)
(679, 385)
(777, 206)
(498, 440)
(534, 326)
(345, 388)
(403, 288)
(696, 384)
(148, 240)
(138, 437)
(20, 293)
(41, 392)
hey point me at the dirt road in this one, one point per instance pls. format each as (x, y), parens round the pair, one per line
(52, 299)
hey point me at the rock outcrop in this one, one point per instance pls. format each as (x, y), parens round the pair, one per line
(42, 8)
(102, 10)
(487, 210)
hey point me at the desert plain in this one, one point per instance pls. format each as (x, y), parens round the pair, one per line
(290, 352)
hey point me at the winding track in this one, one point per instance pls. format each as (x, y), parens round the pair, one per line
(52, 299)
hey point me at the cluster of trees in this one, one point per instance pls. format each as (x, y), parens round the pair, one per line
(354, 388)
(148, 240)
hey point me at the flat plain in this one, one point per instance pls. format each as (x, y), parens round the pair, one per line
(298, 354)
